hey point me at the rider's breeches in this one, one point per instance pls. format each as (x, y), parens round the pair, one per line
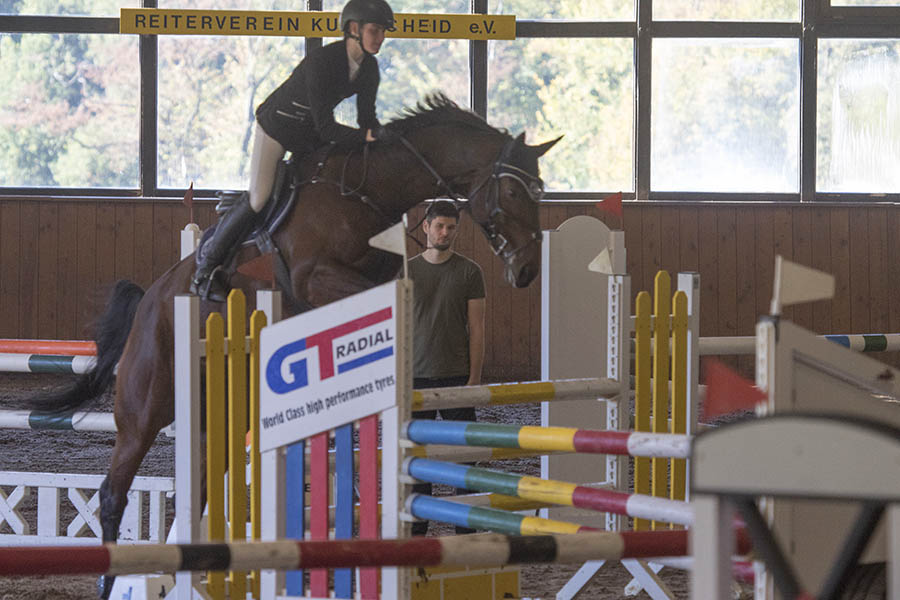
(263, 164)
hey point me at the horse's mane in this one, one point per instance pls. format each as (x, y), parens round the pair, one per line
(438, 109)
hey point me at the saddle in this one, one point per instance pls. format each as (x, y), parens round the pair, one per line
(285, 192)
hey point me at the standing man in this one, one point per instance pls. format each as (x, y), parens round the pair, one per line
(448, 333)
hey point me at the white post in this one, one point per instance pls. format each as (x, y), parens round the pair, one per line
(689, 283)
(269, 301)
(187, 438)
(893, 550)
(272, 473)
(272, 522)
(190, 237)
(711, 545)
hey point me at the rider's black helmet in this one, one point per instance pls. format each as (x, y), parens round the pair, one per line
(367, 11)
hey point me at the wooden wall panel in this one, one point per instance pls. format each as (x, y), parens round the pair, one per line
(860, 300)
(892, 269)
(124, 243)
(632, 219)
(47, 269)
(670, 241)
(765, 259)
(67, 272)
(688, 233)
(142, 247)
(162, 241)
(651, 253)
(802, 253)
(745, 280)
(879, 292)
(106, 240)
(59, 256)
(726, 279)
(10, 261)
(782, 243)
(840, 268)
(709, 270)
(28, 278)
(820, 239)
(86, 280)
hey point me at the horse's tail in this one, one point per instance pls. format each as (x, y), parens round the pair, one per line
(111, 333)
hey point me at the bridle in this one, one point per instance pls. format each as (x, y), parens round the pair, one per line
(502, 168)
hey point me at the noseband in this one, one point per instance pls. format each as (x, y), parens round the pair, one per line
(532, 185)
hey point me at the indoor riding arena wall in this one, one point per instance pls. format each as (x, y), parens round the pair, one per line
(56, 253)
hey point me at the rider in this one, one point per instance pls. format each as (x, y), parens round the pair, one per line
(299, 116)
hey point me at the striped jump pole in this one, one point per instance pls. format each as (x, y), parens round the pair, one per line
(486, 550)
(514, 393)
(464, 433)
(491, 519)
(866, 342)
(77, 421)
(501, 521)
(557, 492)
(45, 363)
(54, 347)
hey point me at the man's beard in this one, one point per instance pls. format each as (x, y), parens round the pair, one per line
(441, 247)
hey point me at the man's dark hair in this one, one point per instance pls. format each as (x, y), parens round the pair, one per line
(441, 208)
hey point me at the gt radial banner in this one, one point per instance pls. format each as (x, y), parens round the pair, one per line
(150, 21)
(328, 367)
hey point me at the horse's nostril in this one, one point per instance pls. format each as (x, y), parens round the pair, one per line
(526, 275)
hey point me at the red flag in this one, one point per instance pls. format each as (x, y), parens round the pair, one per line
(726, 391)
(612, 204)
(261, 268)
(189, 200)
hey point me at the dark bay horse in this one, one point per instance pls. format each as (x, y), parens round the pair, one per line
(436, 149)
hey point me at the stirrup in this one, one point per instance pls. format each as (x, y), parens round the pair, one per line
(211, 287)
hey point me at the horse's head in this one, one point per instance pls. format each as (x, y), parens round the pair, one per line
(505, 205)
(462, 156)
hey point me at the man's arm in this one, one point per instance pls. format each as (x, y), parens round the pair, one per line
(476, 340)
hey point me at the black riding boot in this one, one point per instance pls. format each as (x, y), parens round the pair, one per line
(210, 282)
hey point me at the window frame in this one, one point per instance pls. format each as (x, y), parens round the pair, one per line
(818, 20)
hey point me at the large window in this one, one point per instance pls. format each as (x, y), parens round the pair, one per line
(583, 89)
(661, 99)
(725, 115)
(68, 111)
(858, 143)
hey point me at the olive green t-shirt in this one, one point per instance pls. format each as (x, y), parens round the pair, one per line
(441, 295)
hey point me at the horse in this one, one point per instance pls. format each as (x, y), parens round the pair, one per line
(344, 197)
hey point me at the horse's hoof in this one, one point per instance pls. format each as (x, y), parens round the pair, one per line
(104, 586)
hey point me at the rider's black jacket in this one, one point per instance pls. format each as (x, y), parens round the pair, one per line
(299, 114)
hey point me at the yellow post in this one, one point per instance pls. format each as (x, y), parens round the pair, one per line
(237, 430)
(642, 394)
(678, 469)
(257, 322)
(215, 443)
(661, 309)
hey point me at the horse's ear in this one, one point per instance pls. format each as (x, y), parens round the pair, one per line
(521, 138)
(541, 149)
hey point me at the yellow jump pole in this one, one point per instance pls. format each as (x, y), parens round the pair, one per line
(642, 394)
(678, 470)
(257, 322)
(662, 305)
(215, 443)
(237, 430)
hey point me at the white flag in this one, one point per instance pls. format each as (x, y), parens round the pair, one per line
(796, 283)
(392, 239)
(602, 263)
